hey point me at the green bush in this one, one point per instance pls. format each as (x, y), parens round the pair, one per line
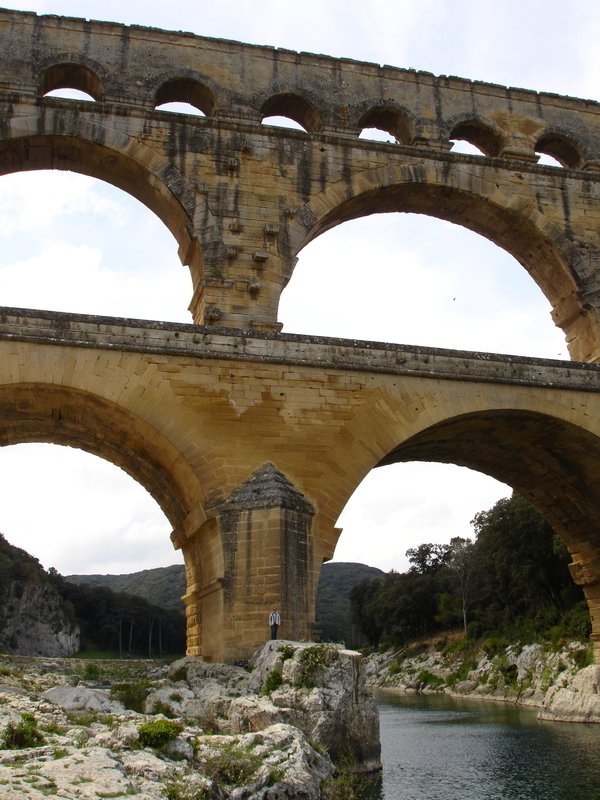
(584, 657)
(510, 674)
(492, 646)
(182, 789)
(158, 732)
(132, 695)
(231, 765)
(427, 678)
(91, 671)
(18, 735)
(312, 661)
(287, 651)
(273, 681)
(461, 674)
(474, 630)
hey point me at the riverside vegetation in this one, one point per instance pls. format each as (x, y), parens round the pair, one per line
(560, 680)
(511, 584)
(523, 625)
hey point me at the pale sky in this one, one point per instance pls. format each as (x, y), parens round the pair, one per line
(95, 250)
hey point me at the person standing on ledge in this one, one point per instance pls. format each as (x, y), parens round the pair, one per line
(274, 622)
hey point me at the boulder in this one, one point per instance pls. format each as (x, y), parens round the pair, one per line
(323, 691)
(320, 689)
(577, 702)
(80, 698)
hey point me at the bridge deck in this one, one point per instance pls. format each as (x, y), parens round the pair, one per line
(204, 342)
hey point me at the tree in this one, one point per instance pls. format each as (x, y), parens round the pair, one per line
(364, 609)
(519, 567)
(427, 559)
(458, 561)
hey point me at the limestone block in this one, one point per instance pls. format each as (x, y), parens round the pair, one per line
(80, 698)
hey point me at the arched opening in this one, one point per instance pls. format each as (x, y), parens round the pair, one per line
(385, 123)
(34, 412)
(414, 279)
(186, 96)
(277, 121)
(418, 280)
(561, 149)
(181, 108)
(465, 147)
(484, 138)
(160, 193)
(548, 161)
(374, 134)
(290, 106)
(70, 94)
(93, 249)
(541, 248)
(73, 508)
(71, 76)
(550, 462)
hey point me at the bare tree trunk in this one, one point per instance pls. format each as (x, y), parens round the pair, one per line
(131, 634)
(150, 627)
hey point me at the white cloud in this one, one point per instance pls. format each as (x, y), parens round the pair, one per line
(32, 202)
(404, 505)
(78, 513)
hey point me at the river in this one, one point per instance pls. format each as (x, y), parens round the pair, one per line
(440, 748)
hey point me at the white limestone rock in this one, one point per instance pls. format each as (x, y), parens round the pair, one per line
(81, 698)
(94, 771)
(329, 703)
(287, 766)
(577, 702)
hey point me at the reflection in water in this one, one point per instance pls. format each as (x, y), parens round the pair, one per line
(439, 748)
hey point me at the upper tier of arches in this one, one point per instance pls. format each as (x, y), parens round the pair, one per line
(240, 82)
(567, 147)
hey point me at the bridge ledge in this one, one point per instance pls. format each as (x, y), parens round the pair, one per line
(204, 342)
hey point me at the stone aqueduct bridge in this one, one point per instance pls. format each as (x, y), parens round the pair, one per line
(250, 440)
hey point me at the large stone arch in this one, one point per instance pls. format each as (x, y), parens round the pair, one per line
(552, 463)
(83, 146)
(459, 193)
(37, 412)
(539, 449)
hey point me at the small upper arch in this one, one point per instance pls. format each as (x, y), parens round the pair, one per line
(187, 90)
(483, 134)
(69, 74)
(391, 118)
(561, 146)
(295, 107)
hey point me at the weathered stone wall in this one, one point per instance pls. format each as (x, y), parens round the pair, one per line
(197, 414)
(242, 199)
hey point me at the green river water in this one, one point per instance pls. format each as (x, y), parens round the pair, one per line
(439, 748)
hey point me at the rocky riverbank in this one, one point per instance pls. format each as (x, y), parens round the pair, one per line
(189, 730)
(560, 682)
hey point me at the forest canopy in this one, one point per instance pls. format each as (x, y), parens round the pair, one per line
(512, 579)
